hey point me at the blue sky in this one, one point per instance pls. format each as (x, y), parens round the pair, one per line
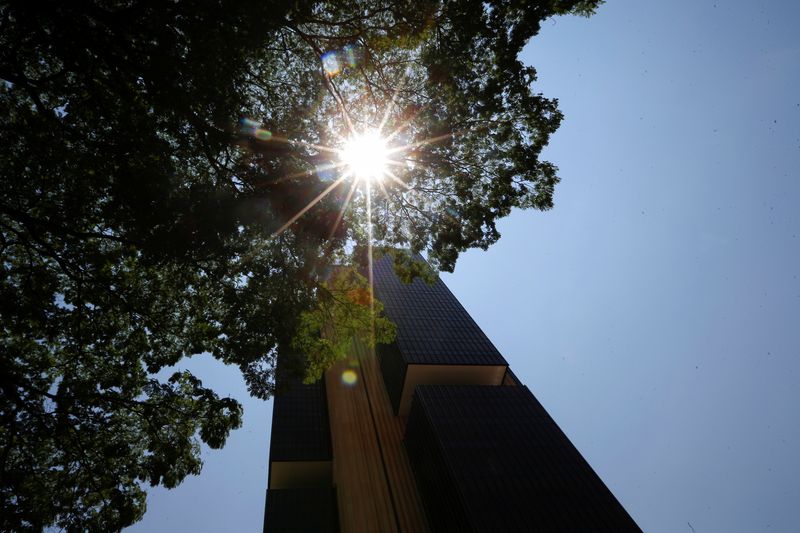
(655, 312)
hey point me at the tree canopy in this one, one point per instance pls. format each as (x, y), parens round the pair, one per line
(171, 187)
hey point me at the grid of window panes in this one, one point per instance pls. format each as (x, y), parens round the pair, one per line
(432, 326)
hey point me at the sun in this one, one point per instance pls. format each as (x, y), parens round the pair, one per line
(365, 155)
(368, 157)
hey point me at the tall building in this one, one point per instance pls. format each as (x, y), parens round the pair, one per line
(431, 433)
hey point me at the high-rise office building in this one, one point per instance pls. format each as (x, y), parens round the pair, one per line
(431, 433)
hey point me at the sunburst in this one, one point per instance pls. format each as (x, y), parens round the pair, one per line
(364, 157)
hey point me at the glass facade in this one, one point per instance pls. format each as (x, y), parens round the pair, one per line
(431, 433)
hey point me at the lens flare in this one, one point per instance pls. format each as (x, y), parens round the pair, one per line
(335, 62)
(249, 126)
(349, 377)
(366, 155)
(263, 135)
(330, 63)
(350, 53)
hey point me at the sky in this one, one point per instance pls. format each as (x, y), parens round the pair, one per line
(655, 311)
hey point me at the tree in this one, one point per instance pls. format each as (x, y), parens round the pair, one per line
(155, 160)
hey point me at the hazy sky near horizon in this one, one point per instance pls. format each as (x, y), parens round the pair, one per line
(655, 312)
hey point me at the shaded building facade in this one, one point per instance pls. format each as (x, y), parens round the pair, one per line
(431, 433)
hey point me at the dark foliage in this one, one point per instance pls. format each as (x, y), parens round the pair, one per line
(150, 151)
